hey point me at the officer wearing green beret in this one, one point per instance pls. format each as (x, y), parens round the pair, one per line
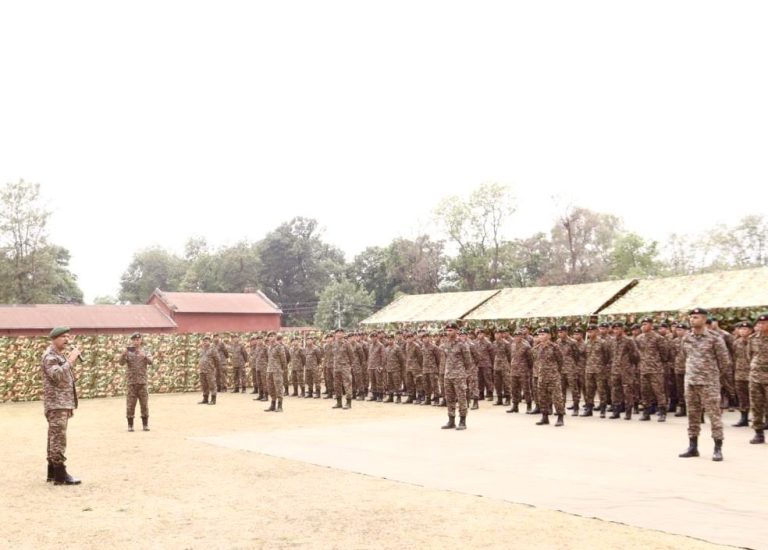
(59, 402)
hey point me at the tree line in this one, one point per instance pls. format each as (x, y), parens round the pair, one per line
(314, 284)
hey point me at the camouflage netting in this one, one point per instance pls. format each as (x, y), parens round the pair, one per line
(174, 370)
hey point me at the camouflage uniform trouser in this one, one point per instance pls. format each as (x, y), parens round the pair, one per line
(550, 392)
(430, 384)
(680, 387)
(456, 393)
(701, 399)
(208, 382)
(742, 394)
(669, 381)
(262, 375)
(342, 383)
(57, 435)
(238, 377)
(535, 390)
(758, 396)
(275, 384)
(519, 386)
(652, 388)
(394, 384)
(358, 379)
(377, 380)
(297, 377)
(623, 389)
(441, 384)
(255, 379)
(502, 380)
(413, 382)
(221, 378)
(596, 383)
(285, 378)
(575, 382)
(137, 391)
(485, 380)
(727, 383)
(473, 385)
(328, 377)
(312, 380)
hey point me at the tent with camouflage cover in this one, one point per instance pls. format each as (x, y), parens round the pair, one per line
(421, 308)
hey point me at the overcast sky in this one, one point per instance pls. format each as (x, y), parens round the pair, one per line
(150, 122)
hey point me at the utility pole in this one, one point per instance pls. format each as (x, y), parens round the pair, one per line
(338, 313)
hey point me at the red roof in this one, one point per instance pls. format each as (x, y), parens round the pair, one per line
(81, 317)
(217, 302)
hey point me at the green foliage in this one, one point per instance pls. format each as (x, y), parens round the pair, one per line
(343, 304)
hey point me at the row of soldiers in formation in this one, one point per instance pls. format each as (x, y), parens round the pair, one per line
(625, 368)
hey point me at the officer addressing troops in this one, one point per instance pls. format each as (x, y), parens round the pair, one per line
(59, 402)
(136, 361)
(705, 357)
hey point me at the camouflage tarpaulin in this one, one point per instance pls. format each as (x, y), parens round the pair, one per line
(423, 308)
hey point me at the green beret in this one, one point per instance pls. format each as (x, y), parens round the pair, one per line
(135, 335)
(58, 331)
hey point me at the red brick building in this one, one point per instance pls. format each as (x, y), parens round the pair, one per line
(218, 312)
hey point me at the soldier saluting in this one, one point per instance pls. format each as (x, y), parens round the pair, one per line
(136, 361)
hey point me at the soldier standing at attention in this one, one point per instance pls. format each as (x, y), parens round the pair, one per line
(313, 356)
(253, 346)
(221, 367)
(328, 365)
(483, 351)
(549, 360)
(261, 359)
(59, 402)
(209, 367)
(412, 366)
(597, 357)
(624, 358)
(239, 358)
(521, 364)
(394, 359)
(296, 366)
(757, 351)
(277, 362)
(652, 348)
(136, 361)
(457, 361)
(375, 367)
(502, 370)
(741, 371)
(570, 377)
(342, 369)
(705, 356)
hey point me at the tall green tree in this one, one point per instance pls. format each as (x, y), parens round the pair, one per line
(32, 270)
(149, 269)
(342, 304)
(632, 256)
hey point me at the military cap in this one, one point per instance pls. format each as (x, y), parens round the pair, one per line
(763, 316)
(502, 329)
(698, 311)
(605, 324)
(617, 324)
(206, 338)
(635, 326)
(135, 335)
(518, 332)
(562, 328)
(271, 334)
(543, 330)
(683, 326)
(339, 330)
(664, 324)
(593, 327)
(744, 324)
(452, 325)
(646, 320)
(578, 330)
(58, 331)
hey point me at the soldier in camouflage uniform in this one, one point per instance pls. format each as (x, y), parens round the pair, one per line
(296, 366)
(412, 367)
(441, 370)
(375, 367)
(59, 402)
(705, 356)
(136, 361)
(358, 366)
(473, 390)
(430, 361)
(253, 344)
(394, 360)
(260, 358)
(343, 356)
(521, 363)
(313, 356)
(727, 384)
(239, 358)
(757, 351)
(457, 361)
(741, 371)
(570, 376)
(598, 359)
(502, 370)
(652, 348)
(277, 363)
(624, 358)
(605, 333)
(483, 356)
(328, 365)
(548, 360)
(581, 362)
(221, 367)
(209, 367)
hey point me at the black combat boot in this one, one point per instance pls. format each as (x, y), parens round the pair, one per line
(236, 390)
(636, 408)
(130, 423)
(443, 402)
(628, 414)
(427, 400)
(536, 410)
(499, 402)
(744, 420)
(615, 414)
(560, 418)
(506, 401)
(588, 412)
(462, 423)
(409, 399)
(301, 390)
(50, 473)
(204, 401)
(717, 456)
(271, 407)
(602, 410)
(380, 398)
(682, 411)
(390, 398)
(451, 423)
(295, 390)
(759, 437)
(527, 407)
(328, 396)
(348, 405)
(398, 399)
(61, 477)
(279, 405)
(338, 404)
(255, 390)
(475, 404)
(213, 400)
(544, 420)
(575, 409)
(646, 415)
(145, 423)
(513, 409)
(662, 414)
(693, 448)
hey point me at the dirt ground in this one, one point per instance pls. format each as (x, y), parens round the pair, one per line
(168, 489)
